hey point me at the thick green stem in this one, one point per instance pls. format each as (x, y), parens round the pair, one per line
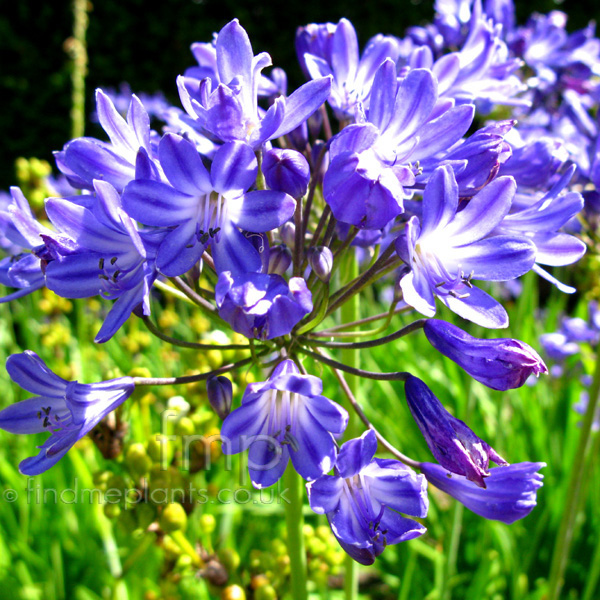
(294, 521)
(565, 533)
(351, 357)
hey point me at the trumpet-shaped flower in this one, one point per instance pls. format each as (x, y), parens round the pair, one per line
(229, 111)
(202, 207)
(510, 493)
(450, 248)
(284, 418)
(365, 497)
(68, 410)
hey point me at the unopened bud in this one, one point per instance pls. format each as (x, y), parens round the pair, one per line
(173, 518)
(279, 260)
(220, 395)
(288, 234)
(233, 592)
(286, 171)
(321, 261)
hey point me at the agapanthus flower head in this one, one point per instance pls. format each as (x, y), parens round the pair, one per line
(67, 410)
(510, 492)
(364, 498)
(501, 364)
(452, 443)
(284, 418)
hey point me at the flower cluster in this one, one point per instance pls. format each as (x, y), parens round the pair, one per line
(250, 202)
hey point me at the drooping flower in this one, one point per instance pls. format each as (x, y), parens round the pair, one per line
(262, 306)
(284, 418)
(365, 497)
(68, 410)
(501, 364)
(510, 492)
(452, 443)
(450, 248)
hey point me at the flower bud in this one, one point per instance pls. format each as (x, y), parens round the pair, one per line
(288, 234)
(501, 364)
(137, 459)
(220, 394)
(279, 260)
(452, 443)
(286, 171)
(173, 518)
(321, 261)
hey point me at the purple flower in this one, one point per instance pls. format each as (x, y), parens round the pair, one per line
(452, 443)
(450, 248)
(68, 410)
(204, 208)
(285, 418)
(501, 364)
(540, 219)
(558, 346)
(22, 230)
(363, 500)
(229, 110)
(104, 253)
(84, 159)
(262, 306)
(364, 185)
(510, 493)
(332, 50)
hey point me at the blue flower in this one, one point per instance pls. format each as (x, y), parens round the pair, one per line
(510, 492)
(332, 50)
(68, 410)
(229, 110)
(363, 500)
(104, 254)
(452, 443)
(284, 418)
(84, 159)
(203, 208)
(262, 306)
(450, 248)
(370, 167)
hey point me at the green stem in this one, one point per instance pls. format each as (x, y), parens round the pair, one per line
(78, 51)
(294, 521)
(565, 533)
(351, 357)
